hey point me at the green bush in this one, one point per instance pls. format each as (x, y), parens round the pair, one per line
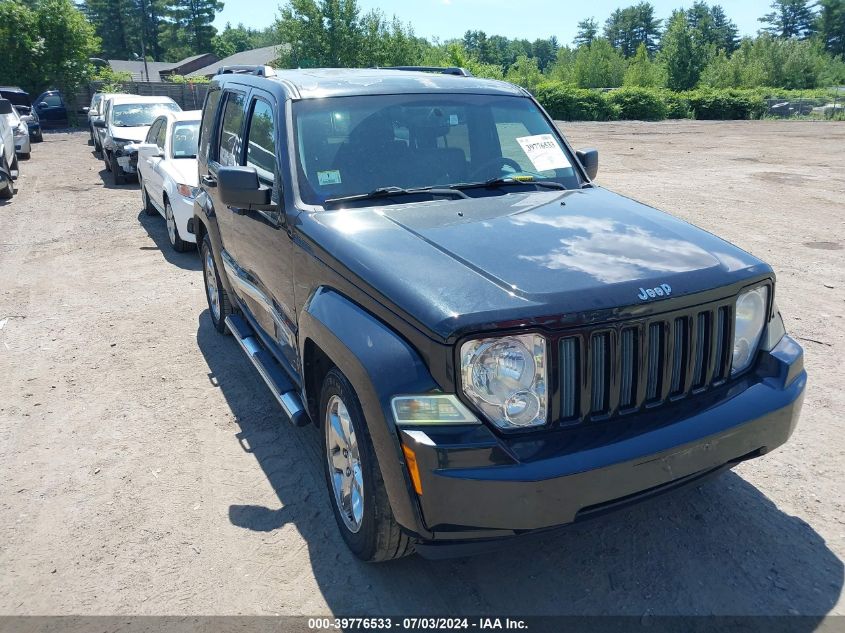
(707, 103)
(567, 103)
(677, 104)
(639, 104)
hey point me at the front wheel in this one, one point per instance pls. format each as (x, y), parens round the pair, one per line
(218, 301)
(116, 171)
(179, 245)
(353, 478)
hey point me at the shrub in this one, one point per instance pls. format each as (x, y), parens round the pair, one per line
(575, 104)
(726, 104)
(640, 104)
(677, 104)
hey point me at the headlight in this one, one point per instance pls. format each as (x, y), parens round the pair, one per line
(751, 312)
(187, 191)
(506, 379)
(22, 128)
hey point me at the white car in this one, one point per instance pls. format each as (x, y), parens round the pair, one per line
(20, 133)
(95, 112)
(8, 159)
(126, 121)
(167, 173)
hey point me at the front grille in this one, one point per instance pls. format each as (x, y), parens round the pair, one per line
(618, 369)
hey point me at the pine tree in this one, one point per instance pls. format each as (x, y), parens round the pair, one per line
(831, 26)
(627, 28)
(588, 30)
(683, 55)
(790, 18)
(189, 27)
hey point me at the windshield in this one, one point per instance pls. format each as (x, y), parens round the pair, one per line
(349, 146)
(139, 114)
(184, 137)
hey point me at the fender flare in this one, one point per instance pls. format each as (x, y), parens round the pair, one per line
(380, 364)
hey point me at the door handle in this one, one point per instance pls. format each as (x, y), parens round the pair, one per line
(209, 181)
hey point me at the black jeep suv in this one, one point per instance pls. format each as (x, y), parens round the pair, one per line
(420, 265)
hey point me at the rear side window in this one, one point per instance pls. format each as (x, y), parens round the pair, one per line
(161, 133)
(151, 135)
(52, 100)
(261, 140)
(208, 115)
(231, 130)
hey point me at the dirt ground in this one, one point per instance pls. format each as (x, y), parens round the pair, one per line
(145, 468)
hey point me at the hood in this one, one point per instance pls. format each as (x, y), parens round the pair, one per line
(137, 134)
(184, 171)
(455, 265)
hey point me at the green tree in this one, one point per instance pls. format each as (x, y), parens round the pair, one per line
(544, 51)
(189, 27)
(563, 70)
(525, 72)
(588, 30)
(683, 54)
(790, 18)
(642, 71)
(713, 26)
(598, 65)
(320, 33)
(118, 25)
(831, 26)
(68, 41)
(19, 41)
(627, 28)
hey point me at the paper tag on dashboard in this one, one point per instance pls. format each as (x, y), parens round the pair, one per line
(331, 177)
(543, 152)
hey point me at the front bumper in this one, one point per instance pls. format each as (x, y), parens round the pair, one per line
(478, 486)
(22, 144)
(127, 159)
(183, 212)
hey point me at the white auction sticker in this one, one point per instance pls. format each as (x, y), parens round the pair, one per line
(543, 152)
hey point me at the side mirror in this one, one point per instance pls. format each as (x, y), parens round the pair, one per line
(589, 159)
(5, 106)
(240, 188)
(149, 150)
(42, 105)
(98, 123)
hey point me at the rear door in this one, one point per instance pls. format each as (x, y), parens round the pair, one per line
(147, 164)
(156, 163)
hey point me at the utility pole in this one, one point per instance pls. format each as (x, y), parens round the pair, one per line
(143, 30)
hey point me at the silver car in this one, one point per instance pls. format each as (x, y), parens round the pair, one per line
(8, 159)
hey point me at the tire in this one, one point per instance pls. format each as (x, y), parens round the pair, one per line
(106, 160)
(9, 190)
(116, 170)
(25, 156)
(366, 522)
(179, 245)
(213, 285)
(38, 137)
(147, 206)
(16, 167)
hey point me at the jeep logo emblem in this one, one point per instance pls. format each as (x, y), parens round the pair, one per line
(663, 290)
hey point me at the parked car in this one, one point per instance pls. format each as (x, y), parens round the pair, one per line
(490, 343)
(20, 132)
(8, 158)
(95, 112)
(51, 109)
(126, 121)
(167, 173)
(20, 99)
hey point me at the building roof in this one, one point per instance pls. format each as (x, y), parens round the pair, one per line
(156, 69)
(253, 57)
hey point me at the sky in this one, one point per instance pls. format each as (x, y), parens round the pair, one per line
(530, 19)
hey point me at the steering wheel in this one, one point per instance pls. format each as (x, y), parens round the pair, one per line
(499, 161)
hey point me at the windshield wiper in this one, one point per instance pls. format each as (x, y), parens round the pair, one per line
(388, 192)
(504, 182)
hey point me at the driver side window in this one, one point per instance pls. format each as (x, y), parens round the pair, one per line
(151, 135)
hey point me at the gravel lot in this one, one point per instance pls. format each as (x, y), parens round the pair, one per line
(145, 468)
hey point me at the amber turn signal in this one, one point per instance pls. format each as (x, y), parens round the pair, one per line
(413, 470)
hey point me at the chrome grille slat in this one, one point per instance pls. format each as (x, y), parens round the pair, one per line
(655, 332)
(569, 377)
(598, 362)
(628, 362)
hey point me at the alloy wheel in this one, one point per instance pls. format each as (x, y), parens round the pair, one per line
(211, 285)
(344, 462)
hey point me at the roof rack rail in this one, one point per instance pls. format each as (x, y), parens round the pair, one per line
(450, 70)
(260, 71)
